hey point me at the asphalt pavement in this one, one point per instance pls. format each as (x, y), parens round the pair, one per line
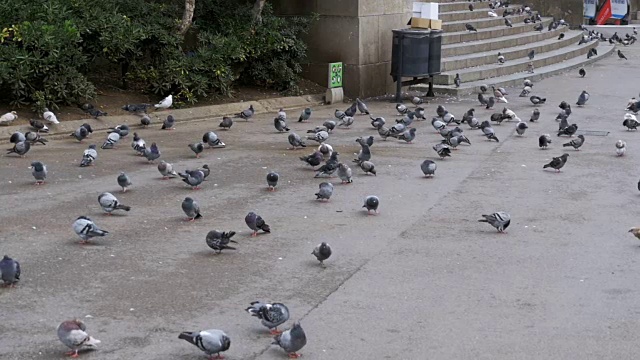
(423, 279)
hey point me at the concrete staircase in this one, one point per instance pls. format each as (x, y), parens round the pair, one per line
(473, 55)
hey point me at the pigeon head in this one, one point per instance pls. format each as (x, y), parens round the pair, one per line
(188, 199)
(92, 146)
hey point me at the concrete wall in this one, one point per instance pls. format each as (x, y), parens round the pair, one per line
(356, 32)
(569, 10)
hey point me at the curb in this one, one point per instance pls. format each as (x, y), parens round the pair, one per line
(181, 115)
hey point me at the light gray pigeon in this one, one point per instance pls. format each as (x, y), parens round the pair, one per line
(490, 133)
(210, 138)
(292, 340)
(346, 121)
(191, 209)
(322, 252)
(20, 148)
(330, 125)
(226, 123)
(124, 181)
(368, 167)
(582, 99)
(247, 113)
(384, 132)
(138, 144)
(280, 124)
(521, 127)
(621, 147)
(305, 115)
(371, 202)
(272, 180)
(345, 174)
(17, 137)
(9, 271)
(86, 229)
(197, 148)
(499, 220)
(320, 136)
(211, 341)
(34, 138)
(271, 315)
(39, 172)
(362, 107)
(110, 203)
(152, 153)
(377, 122)
(282, 114)
(89, 156)
(535, 115)
(73, 334)
(325, 191)
(428, 168)
(255, 223)
(169, 123)
(326, 150)
(219, 240)
(8, 118)
(165, 103)
(401, 109)
(408, 135)
(296, 141)
(112, 140)
(416, 100)
(166, 169)
(192, 178)
(575, 143)
(365, 152)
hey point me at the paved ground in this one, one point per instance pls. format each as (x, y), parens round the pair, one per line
(422, 280)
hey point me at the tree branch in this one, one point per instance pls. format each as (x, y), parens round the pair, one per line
(257, 11)
(187, 16)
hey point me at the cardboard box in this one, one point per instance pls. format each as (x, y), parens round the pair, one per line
(420, 23)
(435, 24)
(429, 11)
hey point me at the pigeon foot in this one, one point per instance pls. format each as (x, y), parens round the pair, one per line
(294, 355)
(275, 331)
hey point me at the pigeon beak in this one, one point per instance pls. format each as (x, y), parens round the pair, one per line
(630, 230)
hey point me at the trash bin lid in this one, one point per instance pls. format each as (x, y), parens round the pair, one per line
(412, 31)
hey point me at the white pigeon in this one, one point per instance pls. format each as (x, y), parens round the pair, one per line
(511, 115)
(492, 13)
(165, 103)
(621, 147)
(50, 117)
(8, 118)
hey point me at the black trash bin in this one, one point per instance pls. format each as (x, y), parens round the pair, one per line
(435, 51)
(410, 53)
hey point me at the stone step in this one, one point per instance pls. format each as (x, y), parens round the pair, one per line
(454, 63)
(514, 65)
(483, 23)
(499, 43)
(516, 79)
(490, 33)
(444, 7)
(467, 15)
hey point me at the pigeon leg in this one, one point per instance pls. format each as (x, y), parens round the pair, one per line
(108, 214)
(217, 356)
(124, 189)
(275, 331)
(294, 355)
(197, 156)
(190, 219)
(73, 354)
(254, 234)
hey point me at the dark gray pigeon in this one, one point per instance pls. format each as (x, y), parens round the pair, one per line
(226, 123)
(569, 130)
(192, 178)
(205, 171)
(280, 124)
(255, 223)
(145, 120)
(365, 152)
(73, 334)
(544, 140)
(191, 209)
(408, 135)
(322, 252)
(371, 202)
(34, 138)
(630, 122)
(490, 103)
(20, 148)
(583, 98)
(557, 162)
(109, 203)
(575, 143)
(325, 191)
(428, 168)
(80, 134)
(38, 125)
(305, 115)
(330, 125)
(211, 342)
(362, 107)
(9, 271)
(152, 153)
(537, 100)
(136, 108)
(39, 172)
(169, 123)
(197, 148)
(219, 240)
(89, 156)
(351, 110)
(271, 315)
(292, 340)
(272, 180)
(124, 181)
(210, 138)
(521, 127)
(314, 159)
(295, 141)
(535, 115)
(122, 130)
(490, 133)
(247, 113)
(329, 167)
(499, 220)
(17, 137)
(368, 167)
(443, 150)
(86, 229)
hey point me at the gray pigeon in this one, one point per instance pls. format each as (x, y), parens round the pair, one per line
(226, 123)
(365, 152)
(443, 150)
(219, 240)
(197, 148)
(482, 99)
(9, 271)
(330, 125)
(38, 125)
(320, 136)
(17, 137)
(124, 181)
(295, 141)
(255, 223)
(557, 162)
(326, 150)
(377, 122)
(499, 220)
(205, 170)
(122, 130)
(535, 115)
(428, 168)
(339, 114)
(362, 107)
(34, 137)
(282, 114)
(490, 103)
(371, 202)
(582, 99)
(569, 130)
(272, 180)
(305, 115)
(110, 203)
(346, 121)
(344, 173)
(39, 172)
(169, 123)
(325, 191)
(81, 133)
(322, 252)
(575, 143)
(145, 120)
(20, 148)
(280, 124)
(368, 167)
(136, 108)
(112, 140)
(191, 209)
(166, 169)
(630, 122)
(138, 144)
(192, 178)
(292, 340)
(408, 135)
(86, 229)
(314, 159)
(544, 141)
(271, 315)
(490, 133)
(401, 109)
(351, 111)
(329, 167)
(417, 100)
(521, 127)
(152, 153)
(210, 138)
(210, 341)
(73, 334)
(89, 156)
(247, 113)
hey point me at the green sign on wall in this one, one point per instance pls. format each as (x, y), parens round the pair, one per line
(335, 75)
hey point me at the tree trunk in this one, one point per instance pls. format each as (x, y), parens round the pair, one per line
(187, 16)
(257, 11)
